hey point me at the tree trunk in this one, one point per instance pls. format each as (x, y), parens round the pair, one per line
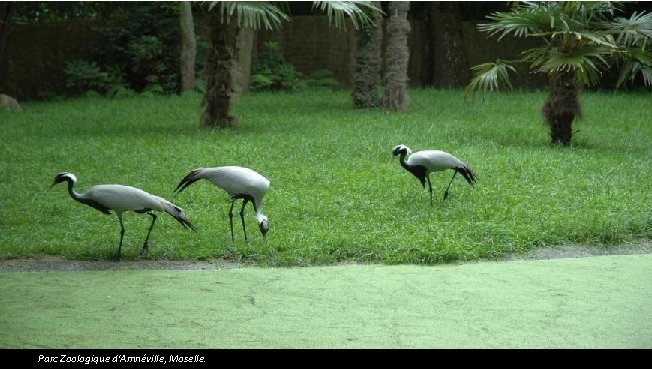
(562, 107)
(366, 77)
(396, 57)
(188, 46)
(5, 8)
(451, 66)
(221, 69)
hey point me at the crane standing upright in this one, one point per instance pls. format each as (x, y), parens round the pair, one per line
(422, 163)
(121, 198)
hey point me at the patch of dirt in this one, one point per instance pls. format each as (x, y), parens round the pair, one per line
(581, 251)
(56, 264)
(52, 263)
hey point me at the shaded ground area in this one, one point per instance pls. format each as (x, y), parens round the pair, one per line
(596, 302)
(51, 263)
(579, 251)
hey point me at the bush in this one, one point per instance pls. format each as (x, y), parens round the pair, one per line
(83, 76)
(273, 72)
(322, 78)
(141, 44)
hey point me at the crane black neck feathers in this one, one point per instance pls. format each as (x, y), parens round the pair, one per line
(418, 171)
(84, 200)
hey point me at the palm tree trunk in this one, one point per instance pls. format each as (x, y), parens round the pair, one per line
(397, 56)
(5, 8)
(188, 46)
(562, 107)
(366, 78)
(451, 66)
(221, 73)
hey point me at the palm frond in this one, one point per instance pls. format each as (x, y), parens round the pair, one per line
(489, 77)
(581, 60)
(537, 56)
(251, 14)
(588, 37)
(647, 75)
(520, 23)
(630, 70)
(632, 30)
(337, 12)
(636, 61)
(586, 12)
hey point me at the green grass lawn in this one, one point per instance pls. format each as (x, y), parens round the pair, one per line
(336, 192)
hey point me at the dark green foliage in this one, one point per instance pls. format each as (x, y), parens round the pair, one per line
(273, 72)
(83, 76)
(143, 46)
(322, 78)
(43, 11)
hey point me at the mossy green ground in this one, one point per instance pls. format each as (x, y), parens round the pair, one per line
(597, 302)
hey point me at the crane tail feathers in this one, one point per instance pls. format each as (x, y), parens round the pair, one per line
(177, 213)
(468, 174)
(189, 179)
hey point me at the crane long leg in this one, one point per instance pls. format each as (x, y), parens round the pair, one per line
(244, 202)
(146, 244)
(122, 233)
(231, 219)
(449, 184)
(429, 189)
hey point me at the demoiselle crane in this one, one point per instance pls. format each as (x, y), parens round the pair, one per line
(422, 163)
(120, 199)
(239, 183)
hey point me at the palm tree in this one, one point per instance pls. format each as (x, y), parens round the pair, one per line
(188, 46)
(226, 18)
(367, 91)
(450, 63)
(579, 39)
(396, 57)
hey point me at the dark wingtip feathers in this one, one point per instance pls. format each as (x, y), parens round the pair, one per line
(189, 179)
(181, 218)
(185, 222)
(468, 174)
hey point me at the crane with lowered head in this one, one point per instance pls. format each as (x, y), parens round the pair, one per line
(240, 183)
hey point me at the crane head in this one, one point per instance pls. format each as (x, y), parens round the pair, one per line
(263, 224)
(401, 149)
(64, 176)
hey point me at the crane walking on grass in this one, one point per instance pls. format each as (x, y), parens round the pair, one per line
(120, 199)
(422, 163)
(239, 183)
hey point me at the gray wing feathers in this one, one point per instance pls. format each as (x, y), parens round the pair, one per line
(123, 198)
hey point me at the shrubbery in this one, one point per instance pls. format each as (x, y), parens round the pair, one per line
(139, 53)
(272, 72)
